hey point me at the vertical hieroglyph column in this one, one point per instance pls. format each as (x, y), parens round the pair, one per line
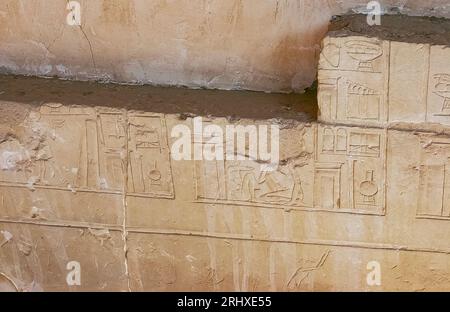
(353, 109)
(353, 81)
(419, 88)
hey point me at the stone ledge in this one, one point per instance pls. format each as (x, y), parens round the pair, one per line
(180, 101)
(398, 28)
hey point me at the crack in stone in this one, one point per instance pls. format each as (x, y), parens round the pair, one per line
(90, 48)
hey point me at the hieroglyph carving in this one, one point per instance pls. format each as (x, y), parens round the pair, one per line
(93, 159)
(345, 173)
(353, 78)
(434, 180)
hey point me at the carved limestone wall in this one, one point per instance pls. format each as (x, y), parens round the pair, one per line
(83, 184)
(88, 175)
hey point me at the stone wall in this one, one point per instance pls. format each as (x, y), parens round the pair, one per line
(269, 45)
(85, 184)
(88, 174)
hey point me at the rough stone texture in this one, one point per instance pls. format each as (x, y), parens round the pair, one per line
(78, 182)
(269, 45)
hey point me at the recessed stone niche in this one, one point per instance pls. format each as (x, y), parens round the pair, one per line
(363, 185)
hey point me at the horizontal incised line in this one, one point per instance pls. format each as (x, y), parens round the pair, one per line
(227, 236)
(63, 224)
(330, 243)
(289, 207)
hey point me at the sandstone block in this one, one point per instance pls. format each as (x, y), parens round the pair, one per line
(90, 176)
(393, 73)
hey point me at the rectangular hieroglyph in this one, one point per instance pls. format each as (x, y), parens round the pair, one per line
(434, 180)
(344, 172)
(367, 81)
(353, 80)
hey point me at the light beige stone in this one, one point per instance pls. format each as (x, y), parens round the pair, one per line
(353, 81)
(378, 77)
(268, 45)
(37, 256)
(136, 219)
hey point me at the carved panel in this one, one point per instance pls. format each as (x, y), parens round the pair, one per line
(353, 81)
(53, 155)
(242, 182)
(347, 174)
(94, 157)
(438, 106)
(350, 169)
(149, 170)
(434, 179)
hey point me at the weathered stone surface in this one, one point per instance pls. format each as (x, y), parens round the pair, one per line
(382, 75)
(37, 255)
(269, 45)
(96, 183)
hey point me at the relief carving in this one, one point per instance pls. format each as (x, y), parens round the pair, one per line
(93, 159)
(150, 172)
(434, 179)
(365, 53)
(242, 182)
(350, 170)
(345, 174)
(442, 89)
(354, 91)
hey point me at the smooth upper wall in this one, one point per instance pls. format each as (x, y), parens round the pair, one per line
(268, 45)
